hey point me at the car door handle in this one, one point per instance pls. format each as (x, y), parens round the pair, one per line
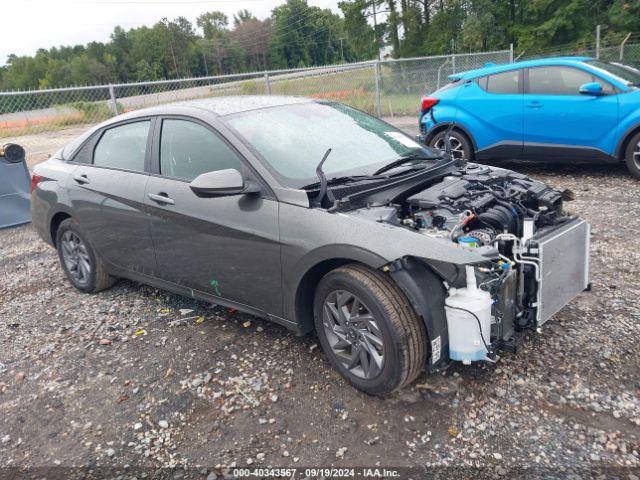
(534, 105)
(161, 198)
(81, 179)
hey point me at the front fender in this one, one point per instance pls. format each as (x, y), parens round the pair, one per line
(311, 236)
(426, 292)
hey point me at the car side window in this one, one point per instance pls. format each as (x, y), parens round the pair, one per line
(187, 149)
(505, 82)
(123, 147)
(562, 81)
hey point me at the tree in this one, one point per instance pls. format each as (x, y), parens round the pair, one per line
(300, 35)
(393, 27)
(241, 17)
(304, 36)
(252, 37)
(360, 36)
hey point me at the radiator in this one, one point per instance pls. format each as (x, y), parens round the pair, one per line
(563, 256)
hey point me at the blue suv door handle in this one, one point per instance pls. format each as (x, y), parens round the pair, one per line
(534, 104)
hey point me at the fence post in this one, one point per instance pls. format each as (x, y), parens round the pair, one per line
(511, 53)
(114, 104)
(376, 71)
(267, 84)
(453, 64)
(622, 46)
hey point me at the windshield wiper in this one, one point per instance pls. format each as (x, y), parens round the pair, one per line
(413, 158)
(324, 191)
(343, 180)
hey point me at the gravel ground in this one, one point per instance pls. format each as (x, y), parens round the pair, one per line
(126, 380)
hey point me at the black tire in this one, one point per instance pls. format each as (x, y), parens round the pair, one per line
(404, 338)
(97, 279)
(632, 155)
(456, 136)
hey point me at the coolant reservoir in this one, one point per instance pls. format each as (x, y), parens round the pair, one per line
(465, 340)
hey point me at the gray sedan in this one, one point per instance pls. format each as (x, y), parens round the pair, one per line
(321, 218)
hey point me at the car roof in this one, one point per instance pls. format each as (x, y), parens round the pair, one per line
(490, 69)
(227, 105)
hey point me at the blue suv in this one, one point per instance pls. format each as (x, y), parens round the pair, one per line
(554, 109)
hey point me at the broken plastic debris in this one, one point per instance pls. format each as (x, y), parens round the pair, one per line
(215, 285)
(199, 320)
(251, 400)
(140, 332)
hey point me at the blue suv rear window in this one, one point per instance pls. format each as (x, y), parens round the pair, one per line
(505, 82)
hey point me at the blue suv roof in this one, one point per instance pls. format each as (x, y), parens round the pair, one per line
(488, 70)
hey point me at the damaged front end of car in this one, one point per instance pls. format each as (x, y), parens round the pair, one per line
(530, 257)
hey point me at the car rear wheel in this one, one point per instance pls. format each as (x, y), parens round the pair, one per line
(368, 330)
(632, 155)
(80, 262)
(460, 144)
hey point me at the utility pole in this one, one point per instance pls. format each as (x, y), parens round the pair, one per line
(173, 55)
(375, 30)
(342, 48)
(204, 57)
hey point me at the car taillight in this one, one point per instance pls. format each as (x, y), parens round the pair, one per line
(35, 179)
(427, 103)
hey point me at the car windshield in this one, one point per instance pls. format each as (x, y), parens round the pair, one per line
(292, 139)
(624, 73)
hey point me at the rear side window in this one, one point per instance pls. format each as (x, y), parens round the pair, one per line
(561, 81)
(505, 82)
(188, 149)
(123, 147)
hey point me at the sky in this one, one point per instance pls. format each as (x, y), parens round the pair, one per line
(27, 25)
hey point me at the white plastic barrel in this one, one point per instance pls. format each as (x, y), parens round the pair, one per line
(465, 341)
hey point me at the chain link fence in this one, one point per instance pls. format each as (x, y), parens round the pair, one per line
(45, 120)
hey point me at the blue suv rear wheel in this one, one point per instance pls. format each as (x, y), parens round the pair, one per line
(461, 146)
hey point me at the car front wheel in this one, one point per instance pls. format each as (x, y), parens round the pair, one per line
(368, 329)
(80, 262)
(460, 144)
(632, 156)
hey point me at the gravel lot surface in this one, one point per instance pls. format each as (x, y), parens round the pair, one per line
(125, 379)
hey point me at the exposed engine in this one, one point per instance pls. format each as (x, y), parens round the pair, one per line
(482, 207)
(478, 203)
(506, 217)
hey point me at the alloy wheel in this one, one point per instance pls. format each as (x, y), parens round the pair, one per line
(76, 257)
(636, 155)
(353, 334)
(457, 150)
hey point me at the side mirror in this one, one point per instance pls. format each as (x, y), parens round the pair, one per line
(593, 88)
(222, 183)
